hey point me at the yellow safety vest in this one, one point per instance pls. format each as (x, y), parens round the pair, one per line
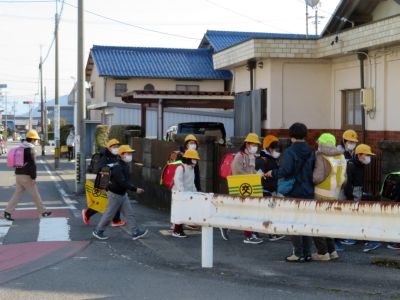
(331, 186)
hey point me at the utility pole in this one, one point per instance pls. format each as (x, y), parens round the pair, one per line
(30, 115)
(57, 104)
(43, 142)
(15, 127)
(306, 19)
(80, 144)
(46, 132)
(316, 20)
(6, 127)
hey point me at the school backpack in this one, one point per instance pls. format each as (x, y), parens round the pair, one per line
(94, 162)
(391, 186)
(103, 177)
(15, 158)
(225, 169)
(168, 173)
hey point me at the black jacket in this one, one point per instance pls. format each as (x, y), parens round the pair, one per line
(298, 162)
(120, 181)
(106, 158)
(266, 163)
(355, 177)
(30, 167)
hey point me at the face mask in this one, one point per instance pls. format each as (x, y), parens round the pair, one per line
(253, 149)
(36, 142)
(114, 151)
(194, 162)
(367, 160)
(275, 154)
(128, 158)
(351, 146)
(192, 146)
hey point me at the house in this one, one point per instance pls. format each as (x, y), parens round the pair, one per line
(320, 80)
(113, 71)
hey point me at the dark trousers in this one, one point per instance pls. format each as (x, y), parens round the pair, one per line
(301, 245)
(70, 152)
(324, 245)
(91, 212)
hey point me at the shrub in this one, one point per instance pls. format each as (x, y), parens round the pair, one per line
(101, 136)
(118, 132)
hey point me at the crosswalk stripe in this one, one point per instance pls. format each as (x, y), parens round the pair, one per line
(54, 229)
(4, 227)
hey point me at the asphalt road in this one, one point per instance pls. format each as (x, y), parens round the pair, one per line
(69, 264)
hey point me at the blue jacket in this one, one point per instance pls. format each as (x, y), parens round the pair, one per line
(298, 162)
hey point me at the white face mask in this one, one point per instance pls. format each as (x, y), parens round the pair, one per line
(114, 151)
(351, 146)
(253, 149)
(367, 160)
(36, 142)
(128, 158)
(275, 154)
(194, 162)
(192, 146)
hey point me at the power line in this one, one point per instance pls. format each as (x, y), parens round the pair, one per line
(245, 16)
(136, 26)
(54, 37)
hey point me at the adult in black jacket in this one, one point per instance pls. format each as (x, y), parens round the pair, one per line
(109, 156)
(120, 184)
(26, 178)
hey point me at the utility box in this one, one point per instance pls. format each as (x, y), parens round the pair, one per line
(367, 99)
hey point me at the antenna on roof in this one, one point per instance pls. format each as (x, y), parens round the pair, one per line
(313, 4)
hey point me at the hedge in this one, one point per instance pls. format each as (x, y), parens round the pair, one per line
(118, 132)
(101, 136)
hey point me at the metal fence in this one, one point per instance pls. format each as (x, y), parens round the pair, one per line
(372, 177)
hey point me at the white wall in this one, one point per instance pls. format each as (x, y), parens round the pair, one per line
(392, 116)
(385, 9)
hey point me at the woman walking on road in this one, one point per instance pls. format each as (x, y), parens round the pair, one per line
(26, 178)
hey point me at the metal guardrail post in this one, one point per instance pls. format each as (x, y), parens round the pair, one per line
(207, 241)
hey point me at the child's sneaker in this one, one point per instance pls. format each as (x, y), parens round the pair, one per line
(334, 255)
(321, 257)
(85, 219)
(339, 246)
(46, 214)
(99, 234)
(369, 246)
(138, 234)
(274, 237)
(179, 234)
(393, 246)
(349, 242)
(252, 240)
(118, 224)
(294, 258)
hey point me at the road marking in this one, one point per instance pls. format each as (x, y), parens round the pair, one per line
(53, 229)
(48, 207)
(63, 193)
(4, 227)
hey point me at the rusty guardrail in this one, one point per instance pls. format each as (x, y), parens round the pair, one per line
(360, 220)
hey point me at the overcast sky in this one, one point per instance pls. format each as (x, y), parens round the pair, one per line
(26, 25)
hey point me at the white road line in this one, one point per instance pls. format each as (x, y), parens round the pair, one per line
(48, 207)
(53, 229)
(4, 227)
(63, 193)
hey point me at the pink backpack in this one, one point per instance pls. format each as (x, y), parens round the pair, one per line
(225, 168)
(15, 158)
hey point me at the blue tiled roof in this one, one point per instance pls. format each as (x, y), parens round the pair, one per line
(171, 63)
(220, 40)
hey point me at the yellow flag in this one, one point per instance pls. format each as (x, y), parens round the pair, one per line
(245, 185)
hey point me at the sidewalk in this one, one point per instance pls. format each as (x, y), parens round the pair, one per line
(352, 275)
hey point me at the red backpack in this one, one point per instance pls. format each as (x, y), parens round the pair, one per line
(168, 173)
(225, 168)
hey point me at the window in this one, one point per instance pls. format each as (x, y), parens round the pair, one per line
(91, 90)
(187, 88)
(120, 88)
(149, 87)
(351, 114)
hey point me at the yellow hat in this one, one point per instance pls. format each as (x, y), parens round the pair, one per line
(252, 138)
(32, 134)
(112, 142)
(268, 140)
(364, 149)
(191, 153)
(350, 135)
(125, 149)
(190, 137)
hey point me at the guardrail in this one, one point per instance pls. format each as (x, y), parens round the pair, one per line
(363, 220)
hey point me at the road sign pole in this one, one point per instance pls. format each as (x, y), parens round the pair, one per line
(57, 104)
